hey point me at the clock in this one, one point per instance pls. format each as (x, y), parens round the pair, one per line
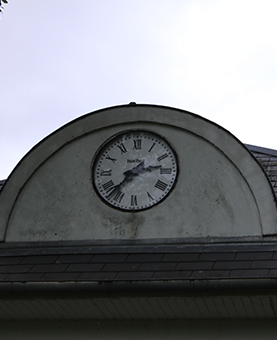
(135, 170)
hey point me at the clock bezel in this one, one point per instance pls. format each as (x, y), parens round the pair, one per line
(113, 139)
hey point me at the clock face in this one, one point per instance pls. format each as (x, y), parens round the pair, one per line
(135, 170)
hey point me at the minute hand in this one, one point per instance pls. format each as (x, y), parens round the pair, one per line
(140, 169)
(129, 175)
(150, 168)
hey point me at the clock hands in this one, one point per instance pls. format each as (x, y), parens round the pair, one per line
(150, 168)
(129, 175)
(140, 169)
(115, 190)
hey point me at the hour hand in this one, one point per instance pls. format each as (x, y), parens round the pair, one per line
(128, 176)
(139, 169)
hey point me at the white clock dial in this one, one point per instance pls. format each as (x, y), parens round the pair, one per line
(135, 170)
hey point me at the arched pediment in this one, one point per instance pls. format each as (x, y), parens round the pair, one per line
(220, 191)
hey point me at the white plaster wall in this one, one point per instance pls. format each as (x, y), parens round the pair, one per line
(211, 198)
(221, 190)
(138, 330)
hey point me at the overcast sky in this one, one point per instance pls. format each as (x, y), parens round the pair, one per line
(61, 59)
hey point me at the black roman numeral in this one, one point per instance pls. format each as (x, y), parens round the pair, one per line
(137, 144)
(122, 148)
(105, 172)
(165, 171)
(150, 197)
(108, 185)
(152, 147)
(162, 157)
(161, 185)
(115, 194)
(118, 196)
(134, 200)
(111, 159)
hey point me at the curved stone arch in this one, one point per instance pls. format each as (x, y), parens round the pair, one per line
(110, 120)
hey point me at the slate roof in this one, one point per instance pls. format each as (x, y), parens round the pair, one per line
(268, 159)
(138, 262)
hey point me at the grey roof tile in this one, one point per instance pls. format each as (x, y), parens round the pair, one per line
(275, 255)
(272, 273)
(85, 267)
(51, 268)
(60, 277)
(250, 273)
(15, 269)
(109, 258)
(75, 263)
(257, 255)
(144, 257)
(181, 257)
(217, 256)
(39, 259)
(264, 264)
(210, 274)
(24, 277)
(2, 183)
(74, 258)
(268, 160)
(197, 265)
(172, 275)
(3, 276)
(97, 276)
(10, 260)
(232, 265)
(135, 275)
(121, 267)
(162, 266)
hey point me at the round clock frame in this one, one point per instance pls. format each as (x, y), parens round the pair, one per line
(135, 170)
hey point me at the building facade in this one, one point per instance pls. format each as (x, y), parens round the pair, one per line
(139, 220)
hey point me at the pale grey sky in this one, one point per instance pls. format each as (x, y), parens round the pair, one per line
(61, 59)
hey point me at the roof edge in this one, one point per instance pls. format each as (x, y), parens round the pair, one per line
(259, 149)
(136, 288)
(153, 245)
